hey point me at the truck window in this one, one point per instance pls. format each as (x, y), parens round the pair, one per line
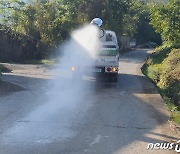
(109, 37)
(109, 46)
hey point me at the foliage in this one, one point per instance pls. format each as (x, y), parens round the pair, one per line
(48, 22)
(170, 75)
(33, 29)
(52, 20)
(48, 61)
(163, 66)
(163, 69)
(145, 31)
(175, 110)
(154, 63)
(165, 18)
(153, 72)
(160, 54)
(120, 16)
(39, 26)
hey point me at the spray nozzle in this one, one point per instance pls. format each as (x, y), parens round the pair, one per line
(97, 21)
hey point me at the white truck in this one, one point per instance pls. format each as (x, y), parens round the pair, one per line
(107, 62)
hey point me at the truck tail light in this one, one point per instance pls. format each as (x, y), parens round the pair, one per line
(73, 69)
(114, 69)
(109, 69)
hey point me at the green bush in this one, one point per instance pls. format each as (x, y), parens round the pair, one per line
(166, 20)
(154, 63)
(163, 68)
(160, 54)
(170, 75)
(153, 72)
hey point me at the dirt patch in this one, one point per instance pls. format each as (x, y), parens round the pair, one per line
(6, 87)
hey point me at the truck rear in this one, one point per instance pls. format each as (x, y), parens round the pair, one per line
(106, 63)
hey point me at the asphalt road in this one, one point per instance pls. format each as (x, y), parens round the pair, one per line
(57, 116)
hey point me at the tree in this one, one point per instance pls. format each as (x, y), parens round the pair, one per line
(46, 23)
(119, 15)
(165, 18)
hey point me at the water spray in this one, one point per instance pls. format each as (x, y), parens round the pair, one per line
(98, 22)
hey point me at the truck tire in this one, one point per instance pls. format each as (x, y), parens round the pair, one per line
(113, 78)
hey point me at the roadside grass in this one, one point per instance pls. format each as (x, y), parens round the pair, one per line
(175, 110)
(163, 69)
(42, 61)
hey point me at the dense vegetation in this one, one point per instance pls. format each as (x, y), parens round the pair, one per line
(165, 18)
(33, 30)
(163, 66)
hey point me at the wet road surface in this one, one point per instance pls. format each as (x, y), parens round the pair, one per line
(57, 116)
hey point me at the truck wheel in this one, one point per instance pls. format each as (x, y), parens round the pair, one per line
(115, 79)
(112, 77)
(109, 78)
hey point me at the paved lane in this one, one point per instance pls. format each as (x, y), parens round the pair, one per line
(64, 117)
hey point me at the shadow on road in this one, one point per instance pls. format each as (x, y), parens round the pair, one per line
(109, 117)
